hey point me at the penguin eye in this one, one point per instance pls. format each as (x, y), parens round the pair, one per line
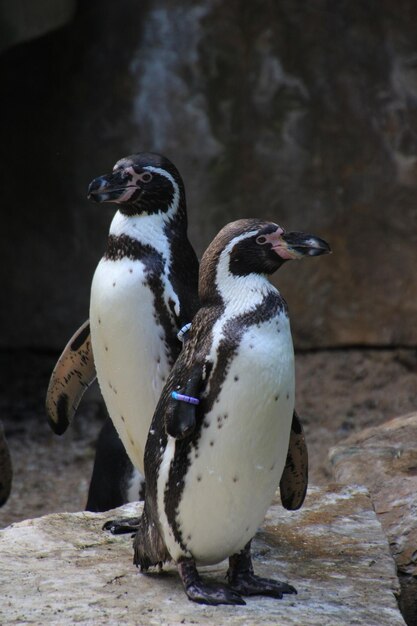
(146, 177)
(261, 239)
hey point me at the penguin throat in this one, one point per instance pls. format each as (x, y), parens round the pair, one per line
(245, 292)
(147, 230)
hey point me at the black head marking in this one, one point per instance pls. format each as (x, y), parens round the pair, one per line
(143, 183)
(246, 255)
(253, 246)
(254, 255)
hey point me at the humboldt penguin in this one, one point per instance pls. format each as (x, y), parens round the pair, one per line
(218, 441)
(144, 290)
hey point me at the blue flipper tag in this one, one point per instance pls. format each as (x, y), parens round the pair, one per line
(183, 398)
(183, 331)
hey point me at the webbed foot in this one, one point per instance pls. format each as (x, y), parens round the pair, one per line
(249, 584)
(121, 526)
(204, 593)
(242, 578)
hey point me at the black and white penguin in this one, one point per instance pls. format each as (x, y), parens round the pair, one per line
(143, 291)
(218, 442)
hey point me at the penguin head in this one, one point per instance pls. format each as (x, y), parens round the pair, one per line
(252, 247)
(142, 184)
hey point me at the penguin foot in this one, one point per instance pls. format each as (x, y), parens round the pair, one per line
(213, 594)
(204, 593)
(249, 584)
(242, 578)
(122, 526)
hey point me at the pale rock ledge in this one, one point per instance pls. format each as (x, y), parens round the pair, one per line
(62, 569)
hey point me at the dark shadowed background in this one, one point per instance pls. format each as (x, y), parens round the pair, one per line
(305, 113)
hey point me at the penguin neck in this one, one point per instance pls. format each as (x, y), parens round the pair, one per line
(150, 230)
(244, 293)
(219, 285)
(240, 293)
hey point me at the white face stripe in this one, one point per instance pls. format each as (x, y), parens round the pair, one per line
(146, 228)
(234, 288)
(173, 207)
(132, 187)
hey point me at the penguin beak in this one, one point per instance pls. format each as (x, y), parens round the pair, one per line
(295, 245)
(115, 187)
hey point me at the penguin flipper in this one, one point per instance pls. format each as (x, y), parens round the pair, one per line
(294, 479)
(180, 418)
(72, 375)
(6, 470)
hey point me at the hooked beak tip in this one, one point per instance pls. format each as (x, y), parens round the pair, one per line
(299, 245)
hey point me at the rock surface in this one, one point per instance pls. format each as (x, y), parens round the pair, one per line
(300, 112)
(62, 569)
(384, 459)
(27, 19)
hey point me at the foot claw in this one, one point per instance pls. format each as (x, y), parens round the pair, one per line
(122, 526)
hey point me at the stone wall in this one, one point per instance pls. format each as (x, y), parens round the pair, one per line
(304, 113)
(21, 20)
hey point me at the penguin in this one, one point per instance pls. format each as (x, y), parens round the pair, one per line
(116, 477)
(6, 469)
(218, 441)
(143, 291)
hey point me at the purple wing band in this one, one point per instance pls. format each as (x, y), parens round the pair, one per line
(182, 398)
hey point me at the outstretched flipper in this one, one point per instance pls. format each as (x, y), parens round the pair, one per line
(72, 375)
(294, 479)
(6, 470)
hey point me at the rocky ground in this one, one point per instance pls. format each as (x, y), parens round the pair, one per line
(338, 392)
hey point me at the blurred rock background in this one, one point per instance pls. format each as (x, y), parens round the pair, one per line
(305, 113)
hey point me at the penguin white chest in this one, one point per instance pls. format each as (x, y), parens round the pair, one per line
(130, 354)
(237, 462)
